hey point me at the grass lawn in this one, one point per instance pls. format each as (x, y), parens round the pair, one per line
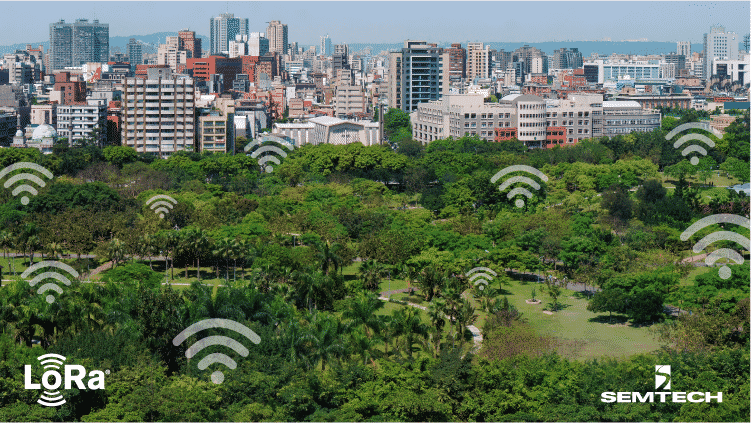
(690, 280)
(583, 334)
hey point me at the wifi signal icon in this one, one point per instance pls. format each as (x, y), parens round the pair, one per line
(163, 206)
(268, 148)
(725, 253)
(25, 177)
(217, 377)
(49, 275)
(482, 279)
(51, 361)
(514, 179)
(691, 137)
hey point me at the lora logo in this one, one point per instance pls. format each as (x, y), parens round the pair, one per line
(662, 385)
(52, 380)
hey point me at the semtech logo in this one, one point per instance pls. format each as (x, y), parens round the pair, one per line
(663, 393)
(51, 397)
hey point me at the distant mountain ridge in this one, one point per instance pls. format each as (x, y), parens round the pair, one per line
(603, 48)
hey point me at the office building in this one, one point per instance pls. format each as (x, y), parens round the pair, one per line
(478, 61)
(187, 41)
(417, 74)
(719, 45)
(624, 117)
(258, 44)
(135, 53)
(78, 43)
(277, 36)
(678, 60)
(223, 29)
(81, 122)
(158, 114)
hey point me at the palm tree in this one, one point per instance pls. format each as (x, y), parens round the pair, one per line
(223, 248)
(246, 254)
(115, 251)
(34, 244)
(323, 340)
(363, 345)
(327, 254)
(465, 316)
(371, 273)
(6, 241)
(200, 244)
(362, 311)
(430, 281)
(438, 320)
(407, 323)
(54, 249)
(147, 246)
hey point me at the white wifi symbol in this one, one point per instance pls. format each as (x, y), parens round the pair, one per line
(51, 361)
(49, 275)
(217, 377)
(163, 206)
(726, 253)
(691, 137)
(25, 177)
(514, 179)
(268, 148)
(482, 278)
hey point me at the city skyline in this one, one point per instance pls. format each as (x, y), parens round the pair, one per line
(392, 22)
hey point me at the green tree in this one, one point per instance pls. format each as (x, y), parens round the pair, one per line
(394, 120)
(371, 272)
(610, 300)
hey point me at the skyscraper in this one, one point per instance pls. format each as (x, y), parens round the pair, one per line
(326, 46)
(188, 42)
(135, 53)
(719, 44)
(78, 43)
(564, 58)
(223, 29)
(277, 35)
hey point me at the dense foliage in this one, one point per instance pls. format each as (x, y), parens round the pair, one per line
(610, 218)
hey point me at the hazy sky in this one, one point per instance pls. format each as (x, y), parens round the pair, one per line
(392, 22)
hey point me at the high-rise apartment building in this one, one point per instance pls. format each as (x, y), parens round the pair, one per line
(564, 58)
(719, 45)
(340, 58)
(534, 59)
(135, 53)
(417, 74)
(170, 54)
(258, 44)
(79, 122)
(457, 62)
(684, 48)
(478, 61)
(158, 115)
(223, 29)
(78, 43)
(187, 41)
(326, 49)
(277, 35)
